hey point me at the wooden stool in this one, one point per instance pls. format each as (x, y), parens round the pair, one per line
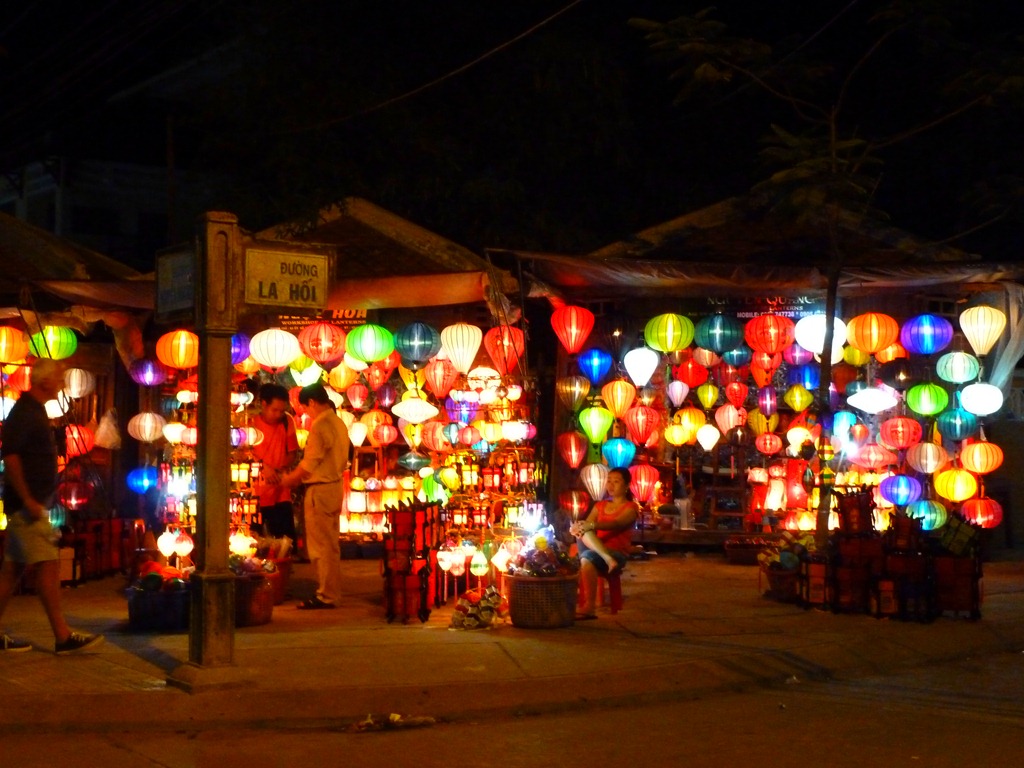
(612, 597)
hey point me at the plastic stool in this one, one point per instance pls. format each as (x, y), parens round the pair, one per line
(612, 597)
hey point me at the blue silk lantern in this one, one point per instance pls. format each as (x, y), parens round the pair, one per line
(767, 400)
(594, 364)
(842, 423)
(142, 479)
(739, 356)
(926, 334)
(806, 375)
(956, 424)
(618, 452)
(719, 333)
(239, 348)
(481, 448)
(413, 461)
(932, 514)
(417, 342)
(900, 490)
(451, 432)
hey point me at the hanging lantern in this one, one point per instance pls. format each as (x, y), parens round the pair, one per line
(357, 433)
(768, 443)
(741, 355)
(574, 501)
(482, 378)
(900, 490)
(440, 376)
(640, 364)
(719, 333)
(872, 332)
(80, 440)
(383, 434)
(675, 434)
(926, 334)
(982, 325)
(760, 423)
(894, 351)
(983, 512)
(676, 391)
(668, 332)
(707, 394)
(957, 367)
(691, 373)
(956, 424)
(386, 395)
(146, 427)
(932, 514)
(505, 345)
(708, 436)
(180, 350)
(173, 431)
(13, 345)
(736, 393)
(981, 399)
(74, 494)
(369, 343)
(190, 436)
(572, 447)
(640, 421)
(596, 422)
(691, 419)
(767, 401)
(809, 332)
(956, 484)
(728, 416)
(806, 376)
(798, 397)
(618, 453)
(572, 391)
(900, 432)
(322, 342)
(645, 478)
(417, 342)
(594, 477)
(274, 348)
(54, 341)
(595, 364)
(572, 326)
(357, 395)
(873, 400)
(618, 396)
(79, 382)
(706, 357)
(797, 356)
(148, 373)
(769, 333)
(239, 348)
(927, 457)
(874, 456)
(414, 409)
(142, 479)
(981, 457)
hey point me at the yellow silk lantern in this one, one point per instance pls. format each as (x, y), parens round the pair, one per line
(982, 325)
(956, 484)
(798, 397)
(707, 393)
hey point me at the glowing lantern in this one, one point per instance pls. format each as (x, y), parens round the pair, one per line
(147, 426)
(798, 397)
(668, 332)
(926, 457)
(147, 373)
(956, 484)
(80, 440)
(894, 351)
(957, 424)
(874, 456)
(645, 477)
(736, 393)
(675, 434)
(369, 343)
(572, 325)
(505, 345)
(74, 494)
(573, 391)
(322, 342)
(383, 434)
(760, 423)
(618, 396)
(79, 382)
(983, 511)
(768, 443)
(873, 400)
(738, 356)
(13, 345)
(706, 357)
(728, 416)
(172, 432)
(900, 432)
(981, 457)
(982, 325)
(707, 394)
(640, 421)
(809, 332)
(981, 399)
(708, 436)
(618, 452)
(872, 332)
(927, 399)
(932, 514)
(769, 333)
(640, 364)
(691, 420)
(574, 501)
(183, 544)
(572, 446)
(719, 333)
(594, 477)
(20, 379)
(691, 373)
(926, 334)
(677, 391)
(274, 348)
(957, 367)
(440, 376)
(417, 342)
(767, 400)
(900, 489)
(190, 436)
(596, 422)
(179, 349)
(142, 479)
(357, 433)
(595, 364)
(54, 341)
(357, 394)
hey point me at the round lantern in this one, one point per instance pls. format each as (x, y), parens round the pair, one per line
(142, 479)
(982, 325)
(74, 494)
(668, 332)
(441, 376)
(675, 434)
(809, 332)
(796, 355)
(932, 514)
(54, 341)
(274, 348)
(618, 452)
(872, 332)
(798, 397)
(894, 351)
(239, 348)
(900, 489)
(13, 345)
(79, 382)
(691, 419)
(956, 484)
(594, 477)
(596, 422)
(574, 501)
(768, 443)
(769, 333)
(179, 349)
(146, 427)
(573, 391)
(926, 334)
(572, 326)
(900, 432)
(383, 434)
(981, 399)
(738, 356)
(618, 396)
(369, 343)
(983, 512)
(470, 435)
(640, 364)
(640, 421)
(926, 457)
(572, 447)
(956, 424)
(957, 367)
(148, 373)
(505, 344)
(728, 416)
(80, 440)
(707, 394)
(322, 342)
(858, 358)
(874, 456)
(719, 333)
(981, 457)
(173, 432)
(807, 376)
(691, 373)
(417, 342)
(706, 357)
(645, 478)
(676, 391)
(708, 436)
(595, 364)
(927, 399)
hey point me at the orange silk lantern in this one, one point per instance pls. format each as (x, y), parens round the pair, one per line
(618, 396)
(770, 334)
(981, 457)
(505, 344)
(872, 332)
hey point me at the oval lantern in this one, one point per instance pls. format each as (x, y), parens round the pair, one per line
(858, 358)
(572, 326)
(769, 334)
(640, 421)
(645, 478)
(417, 342)
(142, 479)
(440, 375)
(80, 440)
(760, 423)
(594, 477)
(767, 401)
(641, 363)
(874, 456)
(707, 394)
(691, 419)
(738, 356)
(79, 382)
(900, 489)
(595, 364)
(618, 453)
(357, 394)
(981, 457)
(708, 436)
(675, 434)
(926, 334)
(668, 332)
(676, 391)
(872, 332)
(728, 416)
(74, 494)
(596, 421)
(958, 367)
(796, 355)
(981, 399)
(179, 349)
(322, 342)
(719, 333)
(574, 501)
(957, 424)
(927, 399)
(932, 514)
(956, 484)
(146, 427)
(505, 345)
(691, 373)
(768, 443)
(983, 512)
(982, 326)
(56, 342)
(13, 345)
(148, 373)
(572, 447)
(274, 348)
(572, 391)
(618, 396)
(900, 432)
(736, 393)
(809, 332)
(370, 342)
(927, 457)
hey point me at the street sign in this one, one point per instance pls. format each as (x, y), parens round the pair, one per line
(286, 279)
(175, 285)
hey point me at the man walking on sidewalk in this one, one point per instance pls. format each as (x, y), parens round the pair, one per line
(30, 479)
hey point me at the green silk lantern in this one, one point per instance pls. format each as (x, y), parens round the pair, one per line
(369, 343)
(668, 332)
(595, 422)
(798, 397)
(54, 341)
(927, 399)
(719, 333)
(707, 393)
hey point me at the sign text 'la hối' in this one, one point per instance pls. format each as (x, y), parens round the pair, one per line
(286, 279)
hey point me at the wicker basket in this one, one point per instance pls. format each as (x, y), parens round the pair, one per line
(542, 602)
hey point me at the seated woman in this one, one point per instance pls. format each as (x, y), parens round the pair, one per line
(604, 538)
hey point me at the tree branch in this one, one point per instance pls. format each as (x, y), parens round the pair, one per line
(910, 132)
(793, 101)
(857, 67)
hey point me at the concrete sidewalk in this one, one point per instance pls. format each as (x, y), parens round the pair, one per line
(692, 625)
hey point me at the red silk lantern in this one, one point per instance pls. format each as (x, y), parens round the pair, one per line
(901, 432)
(728, 416)
(574, 501)
(736, 393)
(20, 380)
(376, 374)
(80, 440)
(440, 376)
(74, 494)
(322, 342)
(644, 479)
(572, 446)
(572, 326)
(434, 438)
(981, 457)
(768, 443)
(843, 374)
(505, 345)
(640, 421)
(691, 373)
(383, 434)
(859, 432)
(874, 456)
(872, 332)
(357, 394)
(469, 436)
(983, 511)
(769, 334)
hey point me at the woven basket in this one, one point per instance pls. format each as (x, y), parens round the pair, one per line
(542, 602)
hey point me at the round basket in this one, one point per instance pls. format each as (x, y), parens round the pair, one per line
(542, 602)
